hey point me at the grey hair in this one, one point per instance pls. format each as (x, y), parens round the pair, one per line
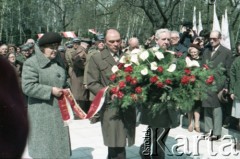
(160, 31)
(175, 32)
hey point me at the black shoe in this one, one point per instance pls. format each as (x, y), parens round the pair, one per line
(214, 137)
(237, 146)
(94, 119)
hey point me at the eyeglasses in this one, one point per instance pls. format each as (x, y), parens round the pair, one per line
(113, 41)
(174, 38)
(214, 39)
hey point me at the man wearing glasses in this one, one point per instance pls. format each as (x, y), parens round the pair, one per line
(117, 127)
(175, 44)
(216, 55)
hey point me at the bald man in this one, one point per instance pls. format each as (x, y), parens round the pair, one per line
(133, 43)
(118, 127)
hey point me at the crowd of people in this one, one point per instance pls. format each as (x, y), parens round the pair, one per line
(44, 68)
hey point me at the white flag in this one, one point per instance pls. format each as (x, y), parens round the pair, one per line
(200, 27)
(194, 20)
(216, 25)
(225, 32)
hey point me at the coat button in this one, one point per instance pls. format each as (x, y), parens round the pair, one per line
(58, 75)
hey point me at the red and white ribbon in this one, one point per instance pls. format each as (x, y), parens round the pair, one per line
(68, 104)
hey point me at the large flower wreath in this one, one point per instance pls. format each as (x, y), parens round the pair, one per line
(160, 79)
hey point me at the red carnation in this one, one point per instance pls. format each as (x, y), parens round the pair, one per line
(205, 66)
(210, 80)
(134, 97)
(114, 90)
(121, 84)
(178, 54)
(120, 95)
(185, 80)
(160, 85)
(192, 78)
(138, 90)
(134, 81)
(128, 69)
(168, 81)
(160, 69)
(187, 71)
(113, 77)
(120, 66)
(154, 79)
(128, 78)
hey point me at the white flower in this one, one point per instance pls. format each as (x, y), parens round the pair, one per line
(134, 59)
(153, 66)
(123, 59)
(191, 63)
(126, 65)
(172, 68)
(135, 51)
(115, 69)
(144, 71)
(144, 55)
(155, 48)
(159, 55)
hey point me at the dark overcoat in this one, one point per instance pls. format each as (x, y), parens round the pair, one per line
(48, 136)
(116, 124)
(77, 73)
(223, 56)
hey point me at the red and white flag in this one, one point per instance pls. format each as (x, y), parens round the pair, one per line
(69, 34)
(194, 20)
(200, 27)
(68, 105)
(216, 25)
(40, 35)
(94, 31)
(225, 31)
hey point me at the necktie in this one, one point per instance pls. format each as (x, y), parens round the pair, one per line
(213, 52)
(116, 58)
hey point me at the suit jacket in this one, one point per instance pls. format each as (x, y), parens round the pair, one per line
(223, 56)
(116, 125)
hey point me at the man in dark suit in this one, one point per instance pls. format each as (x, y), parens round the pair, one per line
(176, 45)
(218, 54)
(116, 125)
(159, 122)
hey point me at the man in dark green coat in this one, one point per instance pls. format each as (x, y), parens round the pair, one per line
(116, 125)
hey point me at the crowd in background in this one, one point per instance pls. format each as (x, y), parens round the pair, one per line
(76, 58)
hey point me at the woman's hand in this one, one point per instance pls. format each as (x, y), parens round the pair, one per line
(232, 96)
(57, 91)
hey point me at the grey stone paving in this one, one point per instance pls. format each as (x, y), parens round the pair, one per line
(87, 143)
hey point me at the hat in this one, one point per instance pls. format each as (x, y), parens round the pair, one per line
(195, 46)
(76, 40)
(50, 38)
(100, 37)
(30, 45)
(222, 96)
(86, 40)
(25, 48)
(61, 48)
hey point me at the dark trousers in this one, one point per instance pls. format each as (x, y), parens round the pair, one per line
(154, 143)
(116, 153)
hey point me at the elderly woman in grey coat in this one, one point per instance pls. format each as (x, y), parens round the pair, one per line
(43, 79)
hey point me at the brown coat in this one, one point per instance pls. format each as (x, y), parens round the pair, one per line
(116, 124)
(77, 73)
